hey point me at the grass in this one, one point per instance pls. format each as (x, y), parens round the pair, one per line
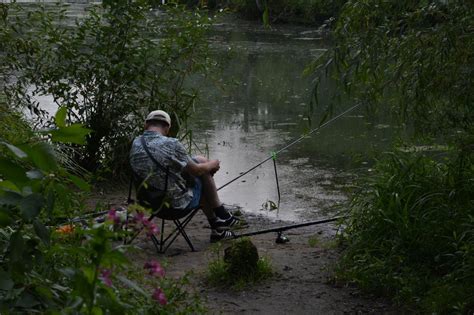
(316, 241)
(182, 297)
(13, 127)
(240, 270)
(411, 232)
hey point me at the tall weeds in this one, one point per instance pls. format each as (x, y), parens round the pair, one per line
(13, 128)
(411, 231)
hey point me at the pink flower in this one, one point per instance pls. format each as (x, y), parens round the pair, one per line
(159, 296)
(112, 215)
(105, 277)
(139, 217)
(154, 268)
(151, 228)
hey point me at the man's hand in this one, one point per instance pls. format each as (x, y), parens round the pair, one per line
(203, 167)
(214, 166)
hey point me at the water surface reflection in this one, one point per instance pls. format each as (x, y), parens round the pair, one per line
(258, 105)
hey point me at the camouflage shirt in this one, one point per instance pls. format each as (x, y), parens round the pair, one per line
(172, 155)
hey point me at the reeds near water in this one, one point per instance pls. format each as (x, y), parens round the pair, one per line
(411, 232)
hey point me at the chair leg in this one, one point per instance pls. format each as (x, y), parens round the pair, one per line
(173, 236)
(161, 236)
(156, 243)
(180, 229)
(183, 233)
(163, 244)
(159, 243)
(166, 243)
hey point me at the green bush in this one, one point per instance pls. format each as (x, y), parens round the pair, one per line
(411, 232)
(114, 65)
(52, 262)
(13, 128)
(413, 59)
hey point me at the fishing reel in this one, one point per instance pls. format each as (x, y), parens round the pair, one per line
(281, 239)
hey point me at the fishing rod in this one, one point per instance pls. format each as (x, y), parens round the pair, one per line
(280, 229)
(82, 217)
(274, 154)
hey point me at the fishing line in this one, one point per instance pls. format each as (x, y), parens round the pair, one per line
(274, 154)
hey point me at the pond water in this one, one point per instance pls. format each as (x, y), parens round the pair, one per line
(256, 103)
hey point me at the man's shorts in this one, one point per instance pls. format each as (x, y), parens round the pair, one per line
(197, 191)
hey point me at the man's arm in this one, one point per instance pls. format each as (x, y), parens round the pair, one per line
(198, 169)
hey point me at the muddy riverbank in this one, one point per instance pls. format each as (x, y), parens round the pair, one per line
(303, 269)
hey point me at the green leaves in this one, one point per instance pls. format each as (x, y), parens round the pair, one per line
(413, 59)
(6, 283)
(105, 72)
(5, 218)
(74, 133)
(131, 284)
(60, 117)
(42, 231)
(16, 247)
(30, 206)
(33, 181)
(19, 153)
(42, 156)
(79, 182)
(39, 154)
(266, 16)
(13, 171)
(405, 227)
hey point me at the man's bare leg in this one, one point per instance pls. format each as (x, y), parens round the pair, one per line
(210, 198)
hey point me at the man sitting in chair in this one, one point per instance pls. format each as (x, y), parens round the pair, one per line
(188, 183)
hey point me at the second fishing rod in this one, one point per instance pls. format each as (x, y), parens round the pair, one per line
(292, 143)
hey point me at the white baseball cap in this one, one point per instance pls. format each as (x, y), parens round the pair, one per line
(159, 115)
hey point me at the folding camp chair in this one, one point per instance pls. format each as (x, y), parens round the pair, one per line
(153, 198)
(180, 217)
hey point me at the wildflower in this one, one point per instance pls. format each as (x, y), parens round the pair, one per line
(105, 277)
(151, 228)
(65, 229)
(154, 268)
(113, 216)
(159, 296)
(138, 217)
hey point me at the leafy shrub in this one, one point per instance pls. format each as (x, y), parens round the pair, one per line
(110, 69)
(52, 263)
(13, 128)
(413, 59)
(411, 232)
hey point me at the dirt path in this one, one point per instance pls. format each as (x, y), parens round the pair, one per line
(302, 267)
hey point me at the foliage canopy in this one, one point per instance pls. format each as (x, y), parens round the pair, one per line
(414, 58)
(53, 260)
(104, 72)
(109, 68)
(410, 229)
